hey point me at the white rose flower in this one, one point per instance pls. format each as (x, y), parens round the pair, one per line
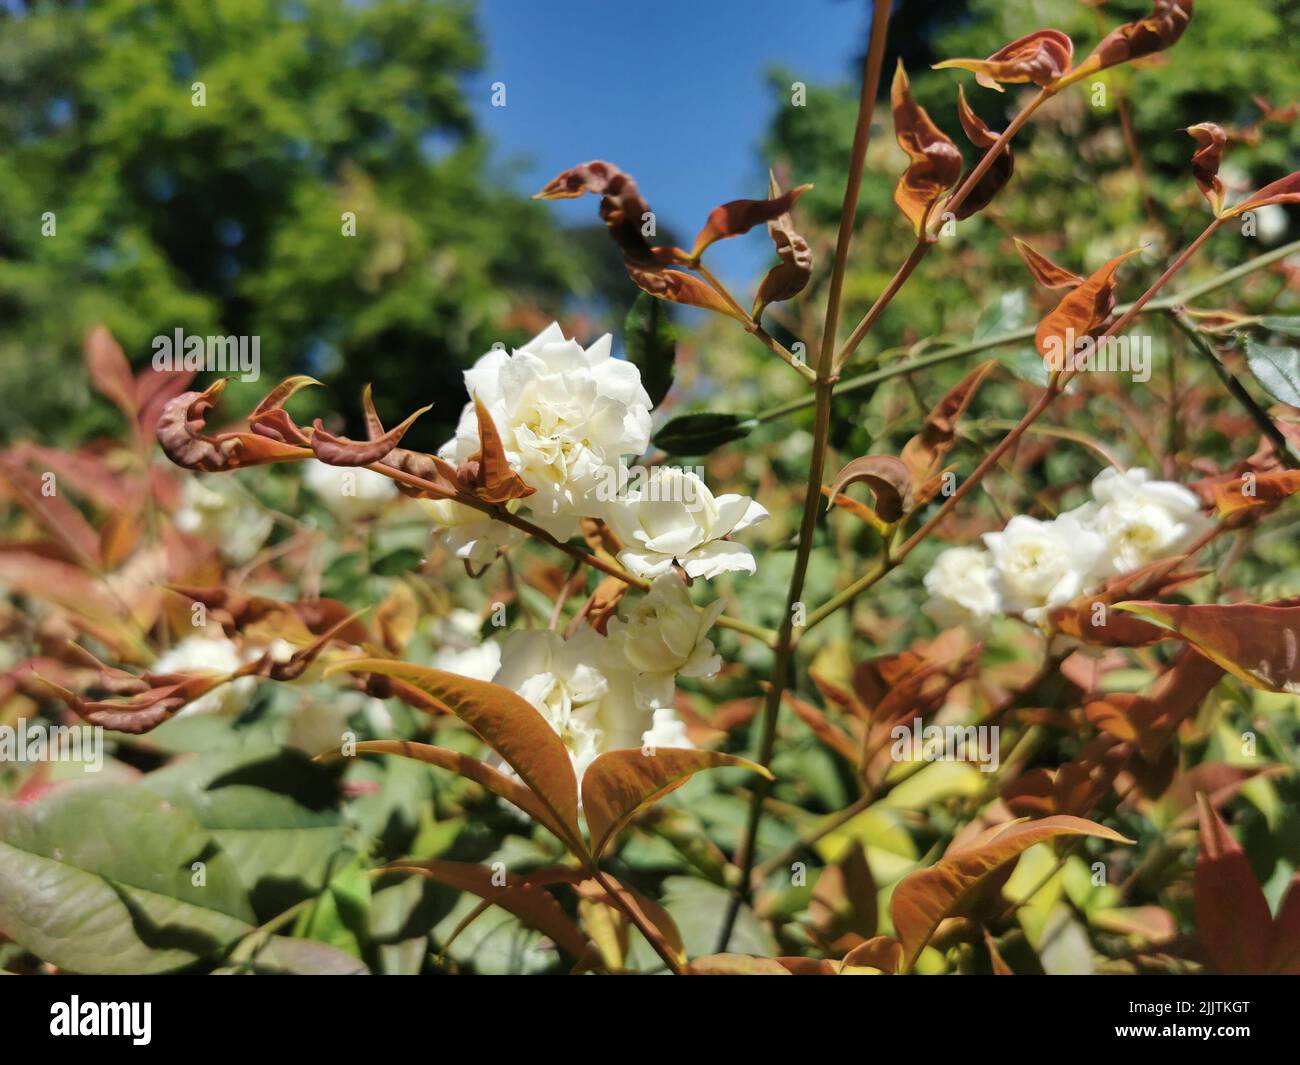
(477, 663)
(566, 416)
(571, 682)
(667, 731)
(213, 509)
(202, 654)
(468, 533)
(675, 517)
(1043, 564)
(349, 492)
(665, 636)
(1142, 520)
(962, 585)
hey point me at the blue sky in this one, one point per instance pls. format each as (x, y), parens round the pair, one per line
(672, 91)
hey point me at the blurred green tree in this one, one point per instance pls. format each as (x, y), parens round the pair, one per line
(224, 213)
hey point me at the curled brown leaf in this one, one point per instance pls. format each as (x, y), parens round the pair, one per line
(1158, 31)
(789, 277)
(935, 161)
(888, 479)
(1210, 139)
(997, 175)
(1040, 57)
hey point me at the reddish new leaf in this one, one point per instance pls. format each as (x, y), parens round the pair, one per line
(923, 455)
(1046, 272)
(471, 769)
(935, 161)
(620, 784)
(740, 216)
(1040, 57)
(996, 176)
(1254, 491)
(925, 898)
(531, 903)
(789, 277)
(506, 723)
(1284, 190)
(1232, 918)
(181, 433)
(110, 372)
(677, 286)
(1210, 140)
(492, 478)
(1257, 643)
(1158, 31)
(1080, 314)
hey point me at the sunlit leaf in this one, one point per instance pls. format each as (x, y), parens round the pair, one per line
(789, 277)
(1080, 314)
(701, 432)
(925, 898)
(740, 216)
(619, 784)
(506, 723)
(1256, 643)
(923, 455)
(1133, 40)
(1277, 369)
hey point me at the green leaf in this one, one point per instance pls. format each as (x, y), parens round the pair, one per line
(271, 813)
(101, 879)
(651, 343)
(340, 918)
(700, 433)
(1277, 369)
(1288, 325)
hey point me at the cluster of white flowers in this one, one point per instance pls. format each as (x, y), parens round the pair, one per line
(568, 418)
(213, 508)
(349, 492)
(1032, 566)
(602, 693)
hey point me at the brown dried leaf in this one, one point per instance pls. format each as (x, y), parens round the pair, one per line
(493, 479)
(1210, 139)
(886, 476)
(789, 277)
(1040, 57)
(923, 455)
(340, 451)
(740, 216)
(181, 433)
(1158, 31)
(997, 175)
(935, 161)
(1046, 272)
(1080, 314)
